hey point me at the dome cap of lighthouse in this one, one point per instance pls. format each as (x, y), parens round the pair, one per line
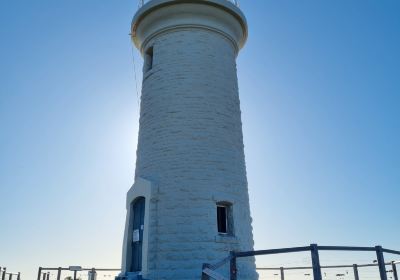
(158, 16)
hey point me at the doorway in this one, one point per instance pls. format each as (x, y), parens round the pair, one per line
(137, 209)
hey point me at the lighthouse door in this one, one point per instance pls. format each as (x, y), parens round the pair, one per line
(137, 236)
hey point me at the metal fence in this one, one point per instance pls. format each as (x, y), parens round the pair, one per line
(210, 271)
(355, 268)
(44, 272)
(142, 2)
(4, 275)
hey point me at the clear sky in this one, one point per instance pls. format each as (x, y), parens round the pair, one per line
(320, 95)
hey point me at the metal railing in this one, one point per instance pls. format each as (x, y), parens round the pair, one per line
(142, 2)
(209, 271)
(44, 272)
(4, 275)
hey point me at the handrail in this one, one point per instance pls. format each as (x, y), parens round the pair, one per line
(220, 263)
(272, 251)
(4, 273)
(44, 274)
(346, 248)
(83, 269)
(323, 266)
(391, 251)
(210, 273)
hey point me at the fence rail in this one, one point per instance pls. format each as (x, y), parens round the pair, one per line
(4, 275)
(209, 270)
(44, 272)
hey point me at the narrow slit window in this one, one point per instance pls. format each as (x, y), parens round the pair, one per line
(222, 219)
(148, 60)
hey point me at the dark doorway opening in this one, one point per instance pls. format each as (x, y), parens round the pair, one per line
(137, 209)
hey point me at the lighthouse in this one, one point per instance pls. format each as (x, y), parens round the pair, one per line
(189, 203)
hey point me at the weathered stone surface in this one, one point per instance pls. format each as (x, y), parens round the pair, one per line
(191, 150)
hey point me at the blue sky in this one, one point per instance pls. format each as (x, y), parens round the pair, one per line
(320, 95)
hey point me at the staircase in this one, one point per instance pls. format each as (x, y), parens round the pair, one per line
(130, 276)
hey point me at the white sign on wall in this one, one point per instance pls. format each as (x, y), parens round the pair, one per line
(136, 235)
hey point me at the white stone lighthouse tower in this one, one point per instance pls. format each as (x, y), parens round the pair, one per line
(189, 204)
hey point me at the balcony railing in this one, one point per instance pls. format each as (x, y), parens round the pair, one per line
(142, 2)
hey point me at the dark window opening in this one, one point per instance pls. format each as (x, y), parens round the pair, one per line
(222, 219)
(148, 65)
(225, 218)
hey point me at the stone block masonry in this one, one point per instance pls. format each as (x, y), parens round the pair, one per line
(190, 146)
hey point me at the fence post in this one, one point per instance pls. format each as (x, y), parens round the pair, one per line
(10, 276)
(19, 276)
(356, 275)
(93, 277)
(315, 262)
(282, 273)
(75, 274)
(39, 273)
(44, 276)
(48, 276)
(59, 273)
(395, 275)
(3, 277)
(381, 262)
(203, 275)
(233, 266)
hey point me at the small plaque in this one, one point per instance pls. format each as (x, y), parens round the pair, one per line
(75, 268)
(136, 235)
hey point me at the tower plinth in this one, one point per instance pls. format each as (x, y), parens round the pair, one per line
(189, 204)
